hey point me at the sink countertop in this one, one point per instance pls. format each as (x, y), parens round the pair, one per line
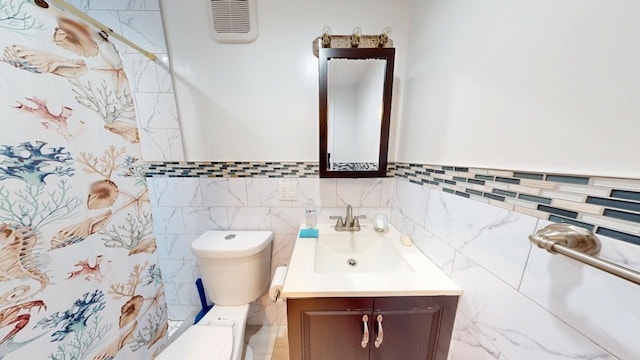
(303, 281)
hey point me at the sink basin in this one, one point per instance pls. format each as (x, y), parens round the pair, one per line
(357, 252)
(362, 264)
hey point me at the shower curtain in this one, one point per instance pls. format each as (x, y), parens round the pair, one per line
(79, 276)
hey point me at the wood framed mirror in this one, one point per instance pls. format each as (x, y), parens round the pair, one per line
(355, 110)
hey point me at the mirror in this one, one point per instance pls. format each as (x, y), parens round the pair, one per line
(355, 108)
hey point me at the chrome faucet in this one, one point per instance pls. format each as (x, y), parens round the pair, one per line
(349, 223)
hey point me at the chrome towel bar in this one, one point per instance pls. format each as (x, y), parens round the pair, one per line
(579, 244)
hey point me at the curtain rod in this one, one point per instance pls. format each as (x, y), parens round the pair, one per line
(72, 9)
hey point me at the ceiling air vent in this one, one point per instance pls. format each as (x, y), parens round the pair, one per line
(233, 21)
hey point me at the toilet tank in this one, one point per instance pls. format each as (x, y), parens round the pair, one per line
(235, 265)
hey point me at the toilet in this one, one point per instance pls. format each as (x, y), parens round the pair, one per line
(235, 267)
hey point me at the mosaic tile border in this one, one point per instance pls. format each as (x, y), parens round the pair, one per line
(272, 169)
(607, 206)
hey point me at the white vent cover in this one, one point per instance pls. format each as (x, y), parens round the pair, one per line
(233, 21)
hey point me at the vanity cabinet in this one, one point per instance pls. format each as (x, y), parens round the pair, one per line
(380, 328)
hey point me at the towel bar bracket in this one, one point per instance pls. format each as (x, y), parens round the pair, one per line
(579, 244)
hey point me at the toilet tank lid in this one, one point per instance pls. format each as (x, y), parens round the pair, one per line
(230, 244)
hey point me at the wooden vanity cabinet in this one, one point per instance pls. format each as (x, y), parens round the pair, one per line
(407, 328)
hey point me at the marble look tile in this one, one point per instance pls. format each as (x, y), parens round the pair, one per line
(161, 243)
(262, 339)
(282, 314)
(567, 289)
(411, 200)
(397, 218)
(283, 246)
(144, 28)
(175, 191)
(386, 195)
(110, 19)
(179, 246)
(493, 237)
(177, 271)
(200, 219)
(368, 214)
(80, 4)
(171, 294)
(287, 220)
(117, 4)
(435, 249)
(195, 269)
(141, 73)
(467, 342)
(264, 192)
(262, 315)
(156, 110)
(167, 220)
(153, 199)
(165, 81)
(187, 294)
(154, 144)
(322, 191)
(152, 4)
(359, 192)
(224, 191)
(174, 139)
(249, 218)
(182, 312)
(519, 327)
(262, 356)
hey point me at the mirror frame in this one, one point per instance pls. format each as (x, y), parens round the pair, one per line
(324, 55)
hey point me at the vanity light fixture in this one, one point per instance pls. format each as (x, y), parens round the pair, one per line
(384, 37)
(326, 37)
(355, 37)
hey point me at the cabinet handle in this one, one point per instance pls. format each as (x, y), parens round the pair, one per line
(365, 336)
(380, 336)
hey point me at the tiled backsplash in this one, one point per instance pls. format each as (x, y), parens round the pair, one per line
(607, 206)
(276, 169)
(191, 197)
(231, 169)
(519, 301)
(183, 208)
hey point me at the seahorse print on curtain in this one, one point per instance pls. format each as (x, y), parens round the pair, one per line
(79, 275)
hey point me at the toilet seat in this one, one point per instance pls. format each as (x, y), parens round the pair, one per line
(220, 329)
(200, 343)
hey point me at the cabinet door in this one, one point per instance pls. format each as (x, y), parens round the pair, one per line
(413, 328)
(328, 328)
(331, 335)
(405, 334)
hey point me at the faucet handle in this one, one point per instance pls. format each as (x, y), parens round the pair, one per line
(340, 222)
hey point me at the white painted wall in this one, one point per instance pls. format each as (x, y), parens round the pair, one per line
(259, 101)
(541, 85)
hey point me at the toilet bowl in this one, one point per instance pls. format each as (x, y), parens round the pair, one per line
(235, 267)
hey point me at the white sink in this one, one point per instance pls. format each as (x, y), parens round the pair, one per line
(362, 263)
(357, 252)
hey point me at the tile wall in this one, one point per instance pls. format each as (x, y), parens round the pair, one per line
(520, 302)
(151, 84)
(606, 206)
(185, 207)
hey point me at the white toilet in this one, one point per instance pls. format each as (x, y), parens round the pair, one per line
(235, 268)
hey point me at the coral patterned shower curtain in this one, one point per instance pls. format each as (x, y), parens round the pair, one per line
(79, 277)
